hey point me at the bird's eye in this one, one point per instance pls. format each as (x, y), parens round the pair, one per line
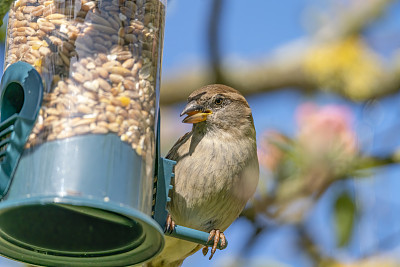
(218, 101)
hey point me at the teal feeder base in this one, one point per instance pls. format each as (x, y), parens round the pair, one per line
(40, 231)
(79, 202)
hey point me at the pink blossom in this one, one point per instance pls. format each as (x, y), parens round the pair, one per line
(326, 129)
(269, 154)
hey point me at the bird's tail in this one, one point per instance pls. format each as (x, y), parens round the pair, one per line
(163, 264)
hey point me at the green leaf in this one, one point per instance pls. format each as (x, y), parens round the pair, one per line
(344, 216)
(4, 7)
(2, 34)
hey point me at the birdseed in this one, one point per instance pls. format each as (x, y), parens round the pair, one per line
(98, 61)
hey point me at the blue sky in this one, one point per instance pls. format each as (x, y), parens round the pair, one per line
(251, 29)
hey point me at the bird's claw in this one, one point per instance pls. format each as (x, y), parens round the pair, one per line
(169, 225)
(218, 236)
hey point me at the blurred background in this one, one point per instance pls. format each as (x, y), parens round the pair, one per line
(323, 79)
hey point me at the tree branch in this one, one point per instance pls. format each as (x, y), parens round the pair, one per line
(283, 69)
(213, 40)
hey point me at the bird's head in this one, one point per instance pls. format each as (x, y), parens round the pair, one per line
(218, 106)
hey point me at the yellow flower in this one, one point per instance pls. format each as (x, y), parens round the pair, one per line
(347, 66)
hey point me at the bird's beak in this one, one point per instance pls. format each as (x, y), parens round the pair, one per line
(196, 113)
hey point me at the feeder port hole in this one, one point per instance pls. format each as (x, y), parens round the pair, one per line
(13, 100)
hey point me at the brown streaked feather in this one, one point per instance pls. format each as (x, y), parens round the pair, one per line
(173, 152)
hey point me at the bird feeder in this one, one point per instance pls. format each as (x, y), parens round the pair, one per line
(81, 179)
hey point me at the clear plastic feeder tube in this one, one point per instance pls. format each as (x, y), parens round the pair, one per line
(100, 65)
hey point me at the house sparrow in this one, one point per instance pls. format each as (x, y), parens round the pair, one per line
(216, 170)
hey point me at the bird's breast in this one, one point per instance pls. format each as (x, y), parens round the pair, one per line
(212, 182)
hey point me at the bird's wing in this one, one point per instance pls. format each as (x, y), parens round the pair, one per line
(173, 153)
